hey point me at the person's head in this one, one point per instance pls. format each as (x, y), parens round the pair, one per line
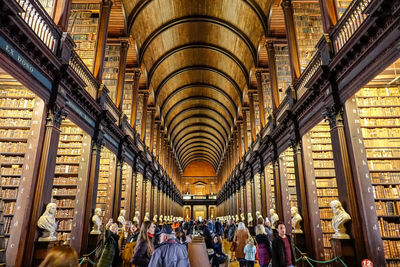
(260, 230)
(267, 222)
(114, 228)
(281, 228)
(127, 226)
(250, 241)
(134, 227)
(180, 235)
(241, 226)
(217, 240)
(146, 229)
(166, 233)
(61, 256)
(260, 220)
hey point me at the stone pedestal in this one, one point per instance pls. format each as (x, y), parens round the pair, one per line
(41, 249)
(197, 252)
(299, 241)
(344, 248)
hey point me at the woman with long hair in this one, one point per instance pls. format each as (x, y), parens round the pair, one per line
(144, 245)
(61, 256)
(240, 241)
(263, 246)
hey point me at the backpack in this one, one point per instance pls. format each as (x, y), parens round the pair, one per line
(128, 252)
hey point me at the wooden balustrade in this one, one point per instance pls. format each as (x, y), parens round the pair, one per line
(41, 23)
(349, 23)
(84, 73)
(307, 74)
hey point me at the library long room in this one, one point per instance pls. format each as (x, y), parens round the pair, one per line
(212, 133)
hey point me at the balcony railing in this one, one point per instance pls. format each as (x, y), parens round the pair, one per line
(349, 23)
(40, 22)
(83, 72)
(309, 72)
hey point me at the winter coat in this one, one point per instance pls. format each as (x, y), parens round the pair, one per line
(278, 252)
(140, 258)
(170, 254)
(240, 238)
(263, 249)
(231, 232)
(110, 255)
(218, 228)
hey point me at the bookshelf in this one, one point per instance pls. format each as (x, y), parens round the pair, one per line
(248, 127)
(257, 113)
(341, 6)
(147, 188)
(65, 182)
(125, 187)
(139, 111)
(270, 186)
(111, 66)
(379, 112)
(2, 237)
(287, 169)
(325, 177)
(308, 21)
(16, 110)
(257, 192)
(127, 103)
(248, 197)
(105, 183)
(282, 70)
(266, 85)
(48, 5)
(138, 187)
(82, 26)
(148, 127)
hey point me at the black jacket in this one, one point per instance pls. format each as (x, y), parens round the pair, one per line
(140, 258)
(278, 252)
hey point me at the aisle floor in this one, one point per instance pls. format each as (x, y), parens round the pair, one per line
(225, 247)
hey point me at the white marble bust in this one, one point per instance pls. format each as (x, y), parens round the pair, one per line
(237, 218)
(274, 217)
(258, 214)
(296, 219)
(155, 218)
(136, 219)
(96, 230)
(249, 220)
(48, 223)
(121, 217)
(340, 217)
(161, 219)
(146, 216)
(242, 218)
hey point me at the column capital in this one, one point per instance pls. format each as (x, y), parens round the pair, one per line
(55, 116)
(334, 116)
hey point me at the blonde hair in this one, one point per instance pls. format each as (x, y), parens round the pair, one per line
(260, 229)
(61, 256)
(241, 226)
(250, 241)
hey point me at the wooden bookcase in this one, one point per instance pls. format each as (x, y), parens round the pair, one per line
(127, 104)
(82, 26)
(105, 188)
(379, 113)
(48, 5)
(282, 70)
(139, 192)
(16, 110)
(126, 187)
(266, 85)
(286, 166)
(270, 187)
(139, 111)
(257, 113)
(308, 21)
(111, 67)
(325, 178)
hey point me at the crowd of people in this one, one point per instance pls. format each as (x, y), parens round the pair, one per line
(166, 245)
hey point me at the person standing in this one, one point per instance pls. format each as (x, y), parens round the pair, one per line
(218, 227)
(144, 245)
(239, 242)
(250, 253)
(263, 246)
(231, 230)
(282, 248)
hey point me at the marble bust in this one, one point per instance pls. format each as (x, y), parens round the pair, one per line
(147, 217)
(242, 218)
(155, 218)
(136, 218)
(340, 217)
(237, 218)
(249, 220)
(121, 217)
(274, 217)
(48, 223)
(96, 230)
(161, 219)
(258, 214)
(296, 219)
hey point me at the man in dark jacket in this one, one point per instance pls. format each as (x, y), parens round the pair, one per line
(282, 248)
(170, 253)
(218, 227)
(231, 230)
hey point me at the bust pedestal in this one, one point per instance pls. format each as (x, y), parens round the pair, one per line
(344, 248)
(41, 249)
(299, 241)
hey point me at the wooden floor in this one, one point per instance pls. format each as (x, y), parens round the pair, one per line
(225, 247)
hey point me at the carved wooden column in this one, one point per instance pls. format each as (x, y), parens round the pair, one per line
(260, 98)
(253, 200)
(292, 41)
(135, 92)
(273, 75)
(61, 14)
(121, 74)
(102, 32)
(144, 116)
(263, 185)
(44, 182)
(153, 198)
(328, 14)
(282, 196)
(153, 112)
(133, 195)
(344, 178)
(245, 130)
(252, 117)
(117, 189)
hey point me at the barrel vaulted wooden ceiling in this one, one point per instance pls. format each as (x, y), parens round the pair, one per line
(199, 58)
